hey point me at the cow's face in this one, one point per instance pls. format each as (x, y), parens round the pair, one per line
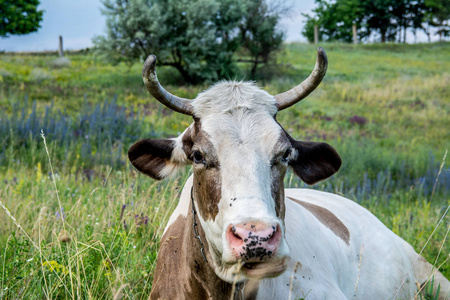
(240, 155)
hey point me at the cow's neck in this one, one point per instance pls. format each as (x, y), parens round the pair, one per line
(181, 271)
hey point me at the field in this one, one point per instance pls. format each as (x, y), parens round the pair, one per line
(77, 221)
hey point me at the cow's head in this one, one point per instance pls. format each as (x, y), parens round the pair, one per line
(240, 155)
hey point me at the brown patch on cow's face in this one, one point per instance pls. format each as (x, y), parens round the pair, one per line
(278, 191)
(328, 219)
(278, 171)
(189, 137)
(207, 177)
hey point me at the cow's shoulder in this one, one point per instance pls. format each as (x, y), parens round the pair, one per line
(331, 209)
(170, 272)
(325, 229)
(178, 268)
(183, 206)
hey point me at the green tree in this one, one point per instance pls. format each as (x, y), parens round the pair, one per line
(308, 29)
(335, 20)
(197, 37)
(378, 17)
(259, 35)
(191, 36)
(406, 14)
(19, 17)
(389, 18)
(438, 15)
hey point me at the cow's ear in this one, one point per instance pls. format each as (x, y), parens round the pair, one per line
(159, 158)
(314, 162)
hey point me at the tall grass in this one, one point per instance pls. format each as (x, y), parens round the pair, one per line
(102, 241)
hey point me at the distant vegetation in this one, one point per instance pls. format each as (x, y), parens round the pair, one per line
(198, 38)
(389, 19)
(96, 233)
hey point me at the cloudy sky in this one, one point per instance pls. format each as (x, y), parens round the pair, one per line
(78, 21)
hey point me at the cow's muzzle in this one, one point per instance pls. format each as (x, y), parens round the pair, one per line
(253, 242)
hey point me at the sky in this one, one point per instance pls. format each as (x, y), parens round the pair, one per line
(78, 21)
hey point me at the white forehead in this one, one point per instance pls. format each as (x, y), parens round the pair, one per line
(238, 113)
(226, 96)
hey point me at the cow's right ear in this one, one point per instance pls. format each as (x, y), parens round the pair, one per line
(159, 158)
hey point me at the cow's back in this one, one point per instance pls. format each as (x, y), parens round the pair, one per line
(339, 250)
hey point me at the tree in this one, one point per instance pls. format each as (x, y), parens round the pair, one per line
(387, 17)
(406, 14)
(19, 17)
(197, 37)
(259, 35)
(438, 15)
(378, 17)
(308, 29)
(335, 20)
(137, 28)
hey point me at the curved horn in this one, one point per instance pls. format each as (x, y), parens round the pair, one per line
(302, 90)
(173, 102)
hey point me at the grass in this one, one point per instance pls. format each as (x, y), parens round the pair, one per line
(91, 228)
(104, 235)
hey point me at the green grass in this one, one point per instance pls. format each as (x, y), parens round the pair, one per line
(385, 108)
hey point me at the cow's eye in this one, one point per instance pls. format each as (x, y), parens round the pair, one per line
(198, 157)
(286, 154)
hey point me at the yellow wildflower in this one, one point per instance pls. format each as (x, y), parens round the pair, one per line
(38, 172)
(54, 266)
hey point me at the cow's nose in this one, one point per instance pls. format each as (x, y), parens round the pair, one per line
(253, 241)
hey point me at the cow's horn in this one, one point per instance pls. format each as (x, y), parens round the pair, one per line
(178, 104)
(302, 90)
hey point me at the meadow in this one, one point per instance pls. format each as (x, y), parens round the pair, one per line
(77, 221)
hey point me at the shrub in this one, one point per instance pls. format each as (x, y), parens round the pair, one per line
(60, 62)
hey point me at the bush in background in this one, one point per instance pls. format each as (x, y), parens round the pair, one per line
(198, 38)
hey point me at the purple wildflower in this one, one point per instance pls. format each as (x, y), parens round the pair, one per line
(58, 214)
(358, 120)
(121, 213)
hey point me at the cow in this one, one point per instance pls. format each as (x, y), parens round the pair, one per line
(237, 233)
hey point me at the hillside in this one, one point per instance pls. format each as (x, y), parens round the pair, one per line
(385, 108)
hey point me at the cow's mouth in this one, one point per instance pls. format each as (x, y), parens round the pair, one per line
(250, 266)
(263, 269)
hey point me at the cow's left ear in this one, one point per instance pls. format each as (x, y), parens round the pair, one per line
(314, 161)
(159, 158)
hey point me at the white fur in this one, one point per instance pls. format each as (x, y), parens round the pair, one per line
(377, 264)
(239, 119)
(229, 95)
(329, 268)
(183, 205)
(178, 159)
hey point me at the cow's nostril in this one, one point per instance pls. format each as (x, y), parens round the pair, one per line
(233, 237)
(233, 229)
(274, 237)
